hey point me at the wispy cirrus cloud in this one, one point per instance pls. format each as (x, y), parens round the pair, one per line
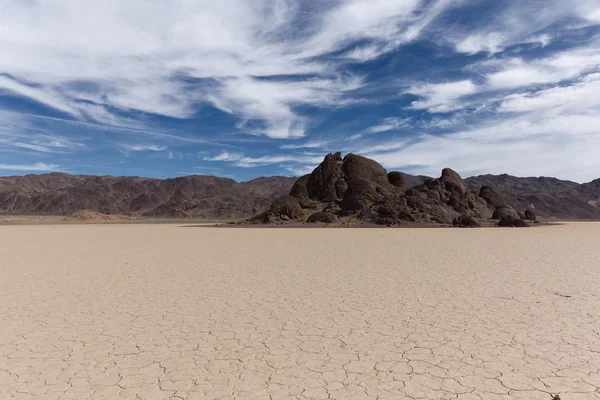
(36, 167)
(142, 147)
(514, 22)
(319, 144)
(389, 124)
(171, 58)
(240, 160)
(441, 97)
(528, 134)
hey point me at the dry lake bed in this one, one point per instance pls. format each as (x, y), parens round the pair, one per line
(171, 312)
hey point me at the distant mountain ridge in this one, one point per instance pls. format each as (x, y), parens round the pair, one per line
(550, 197)
(190, 196)
(214, 197)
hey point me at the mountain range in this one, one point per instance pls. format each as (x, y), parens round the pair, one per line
(220, 198)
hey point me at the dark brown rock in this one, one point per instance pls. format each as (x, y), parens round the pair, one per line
(361, 194)
(386, 221)
(465, 221)
(405, 215)
(396, 179)
(530, 215)
(504, 212)
(358, 167)
(453, 181)
(494, 199)
(359, 187)
(299, 189)
(324, 183)
(322, 216)
(511, 222)
(286, 206)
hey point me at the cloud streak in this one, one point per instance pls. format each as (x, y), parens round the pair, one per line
(36, 167)
(172, 58)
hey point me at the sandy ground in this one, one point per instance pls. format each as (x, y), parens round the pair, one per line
(168, 312)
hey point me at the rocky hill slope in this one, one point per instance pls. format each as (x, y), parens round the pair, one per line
(191, 196)
(550, 197)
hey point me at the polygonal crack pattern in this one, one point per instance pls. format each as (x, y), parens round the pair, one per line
(166, 312)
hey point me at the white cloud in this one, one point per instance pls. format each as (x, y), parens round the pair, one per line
(240, 160)
(442, 97)
(44, 95)
(519, 22)
(543, 39)
(301, 170)
(550, 132)
(495, 42)
(273, 101)
(507, 74)
(131, 55)
(142, 147)
(513, 73)
(567, 99)
(37, 167)
(306, 145)
(17, 132)
(389, 124)
(224, 157)
(492, 42)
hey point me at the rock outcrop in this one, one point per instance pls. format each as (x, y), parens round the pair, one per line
(503, 212)
(465, 221)
(511, 222)
(360, 188)
(530, 215)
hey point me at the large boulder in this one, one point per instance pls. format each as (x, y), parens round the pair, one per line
(396, 179)
(361, 194)
(511, 222)
(530, 215)
(358, 167)
(300, 192)
(504, 212)
(465, 221)
(453, 181)
(286, 207)
(326, 182)
(494, 199)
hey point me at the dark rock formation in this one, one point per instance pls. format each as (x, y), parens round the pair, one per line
(511, 222)
(325, 183)
(504, 212)
(360, 188)
(286, 207)
(493, 199)
(530, 215)
(396, 179)
(322, 216)
(465, 221)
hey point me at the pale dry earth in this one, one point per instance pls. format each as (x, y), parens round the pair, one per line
(167, 312)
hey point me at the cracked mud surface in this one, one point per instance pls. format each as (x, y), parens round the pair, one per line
(165, 312)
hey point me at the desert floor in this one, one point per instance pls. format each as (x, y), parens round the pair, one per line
(172, 312)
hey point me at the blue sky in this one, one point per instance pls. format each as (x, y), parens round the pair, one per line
(242, 89)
